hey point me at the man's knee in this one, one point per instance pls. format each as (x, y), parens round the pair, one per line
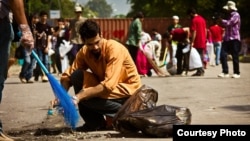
(76, 80)
(76, 75)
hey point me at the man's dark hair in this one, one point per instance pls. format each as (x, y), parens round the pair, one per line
(191, 11)
(31, 16)
(138, 15)
(34, 15)
(42, 13)
(60, 20)
(89, 29)
(166, 35)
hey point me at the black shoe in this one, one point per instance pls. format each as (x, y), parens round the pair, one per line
(149, 73)
(30, 81)
(36, 78)
(198, 74)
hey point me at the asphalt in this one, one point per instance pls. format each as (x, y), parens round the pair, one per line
(211, 100)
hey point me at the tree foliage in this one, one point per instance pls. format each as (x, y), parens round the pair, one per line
(206, 8)
(66, 7)
(101, 7)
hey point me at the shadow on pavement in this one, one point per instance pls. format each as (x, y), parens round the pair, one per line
(243, 108)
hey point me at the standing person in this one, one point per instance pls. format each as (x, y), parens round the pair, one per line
(60, 36)
(53, 56)
(231, 42)
(208, 57)
(29, 61)
(198, 30)
(134, 35)
(103, 75)
(75, 37)
(181, 36)
(216, 33)
(7, 35)
(175, 24)
(43, 41)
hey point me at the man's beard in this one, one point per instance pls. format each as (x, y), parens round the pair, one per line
(96, 53)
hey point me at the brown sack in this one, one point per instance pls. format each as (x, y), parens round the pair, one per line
(144, 98)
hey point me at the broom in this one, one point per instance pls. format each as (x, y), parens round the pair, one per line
(69, 110)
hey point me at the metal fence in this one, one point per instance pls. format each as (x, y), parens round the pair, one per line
(118, 28)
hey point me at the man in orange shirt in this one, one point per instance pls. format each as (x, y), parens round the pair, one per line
(103, 75)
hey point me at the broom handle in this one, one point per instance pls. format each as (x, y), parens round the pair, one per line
(40, 62)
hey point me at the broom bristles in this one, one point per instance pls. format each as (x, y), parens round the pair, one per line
(69, 109)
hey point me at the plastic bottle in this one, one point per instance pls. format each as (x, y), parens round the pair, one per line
(50, 112)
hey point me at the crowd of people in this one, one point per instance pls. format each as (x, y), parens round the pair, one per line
(56, 46)
(105, 73)
(146, 49)
(212, 42)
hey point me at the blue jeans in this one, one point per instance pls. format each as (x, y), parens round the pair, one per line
(6, 36)
(233, 48)
(28, 66)
(217, 50)
(44, 59)
(93, 110)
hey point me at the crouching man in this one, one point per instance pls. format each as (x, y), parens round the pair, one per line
(103, 76)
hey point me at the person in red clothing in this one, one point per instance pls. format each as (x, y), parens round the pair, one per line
(181, 36)
(216, 34)
(198, 36)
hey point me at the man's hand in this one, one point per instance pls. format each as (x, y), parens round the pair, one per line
(54, 103)
(27, 39)
(46, 50)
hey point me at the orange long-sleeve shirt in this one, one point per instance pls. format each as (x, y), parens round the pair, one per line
(114, 69)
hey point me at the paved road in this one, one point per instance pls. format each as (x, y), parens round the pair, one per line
(211, 100)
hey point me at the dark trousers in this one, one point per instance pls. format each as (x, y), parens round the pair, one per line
(58, 60)
(233, 48)
(182, 59)
(133, 51)
(44, 59)
(93, 110)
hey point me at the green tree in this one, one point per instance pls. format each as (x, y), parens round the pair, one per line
(167, 8)
(65, 6)
(101, 7)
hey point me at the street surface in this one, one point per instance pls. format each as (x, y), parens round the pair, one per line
(211, 100)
